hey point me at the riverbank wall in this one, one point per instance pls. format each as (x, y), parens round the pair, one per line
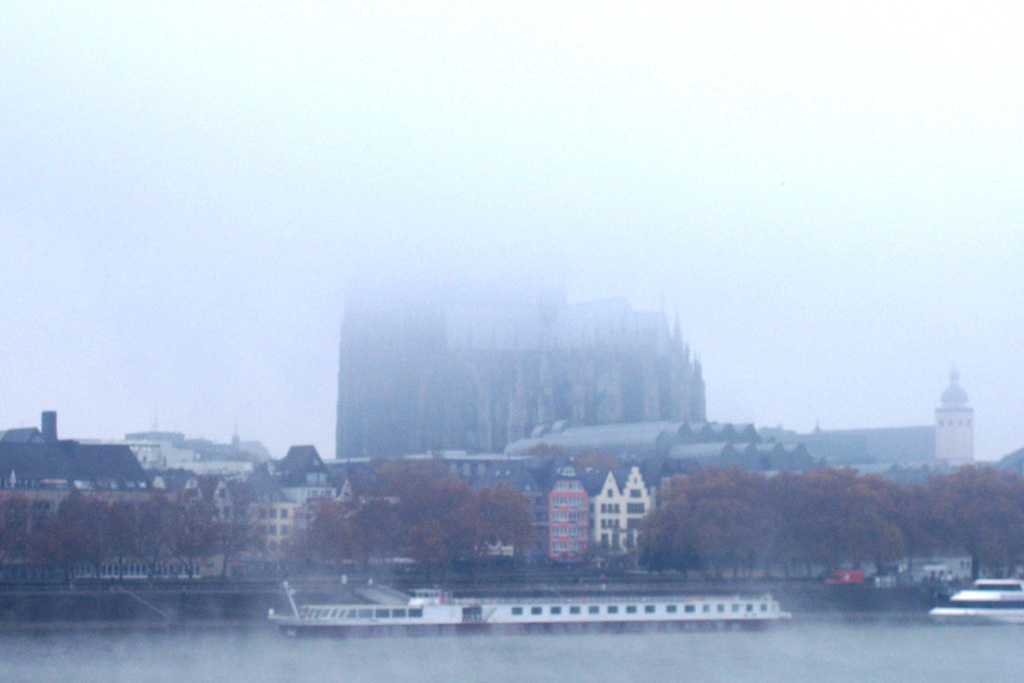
(246, 603)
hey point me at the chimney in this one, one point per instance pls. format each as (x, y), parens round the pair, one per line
(50, 426)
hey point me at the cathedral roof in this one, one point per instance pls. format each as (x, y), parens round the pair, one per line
(571, 326)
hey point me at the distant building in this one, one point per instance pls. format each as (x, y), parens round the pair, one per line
(842, 447)
(158, 450)
(35, 464)
(618, 505)
(475, 373)
(692, 444)
(954, 425)
(949, 441)
(567, 514)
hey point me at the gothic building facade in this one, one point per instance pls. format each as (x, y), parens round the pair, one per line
(475, 374)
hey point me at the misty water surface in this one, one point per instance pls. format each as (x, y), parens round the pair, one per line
(805, 650)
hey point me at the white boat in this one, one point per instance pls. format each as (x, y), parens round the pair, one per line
(433, 612)
(999, 600)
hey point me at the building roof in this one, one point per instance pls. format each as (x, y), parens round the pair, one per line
(22, 435)
(634, 440)
(954, 395)
(106, 465)
(623, 440)
(856, 446)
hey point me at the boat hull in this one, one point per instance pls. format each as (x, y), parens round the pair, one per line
(966, 615)
(294, 627)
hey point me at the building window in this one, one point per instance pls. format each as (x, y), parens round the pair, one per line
(636, 493)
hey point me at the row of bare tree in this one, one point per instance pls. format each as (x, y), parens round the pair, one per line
(728, 520)
(92, 530)
(418, 511)
(714, 521)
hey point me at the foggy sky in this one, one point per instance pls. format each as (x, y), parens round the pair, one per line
(830, 198)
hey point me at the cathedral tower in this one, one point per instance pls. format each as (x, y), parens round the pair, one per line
(954, 425)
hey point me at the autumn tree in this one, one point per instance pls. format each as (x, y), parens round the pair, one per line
(503, 518)
(77, 534)
(982, 512)
(191, 529)
(711, 520)
(440, 522)
(15, 527)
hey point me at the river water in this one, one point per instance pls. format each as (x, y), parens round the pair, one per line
(802, 650)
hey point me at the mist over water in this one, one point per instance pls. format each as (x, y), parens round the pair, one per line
(811, 650)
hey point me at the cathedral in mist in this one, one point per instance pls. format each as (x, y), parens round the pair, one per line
(479, 370)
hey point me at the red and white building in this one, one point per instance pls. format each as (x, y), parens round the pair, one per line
(568, 523)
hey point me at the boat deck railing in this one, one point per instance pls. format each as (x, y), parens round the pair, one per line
(575, 600)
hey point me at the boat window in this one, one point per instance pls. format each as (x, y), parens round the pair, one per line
(630, 609)
(574, 609)
(690, 609)
(613, 609)
(381, 613)
(764, 606)
(365, 613)
(398, 613)
(750, 607)
(721, 607)
(735, 608)
(593, 609)
(351, 614)
(536, 610)
(333, 614)
(517, 611)
(1006, 587)
(706, 608)
(649, 609)
(416, 613)
(993, 604)
(671, 609)
(556, 610)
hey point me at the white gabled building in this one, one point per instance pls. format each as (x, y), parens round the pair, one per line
(617, 509)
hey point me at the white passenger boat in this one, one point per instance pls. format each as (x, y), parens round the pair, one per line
(431, 612)
(987, 600)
